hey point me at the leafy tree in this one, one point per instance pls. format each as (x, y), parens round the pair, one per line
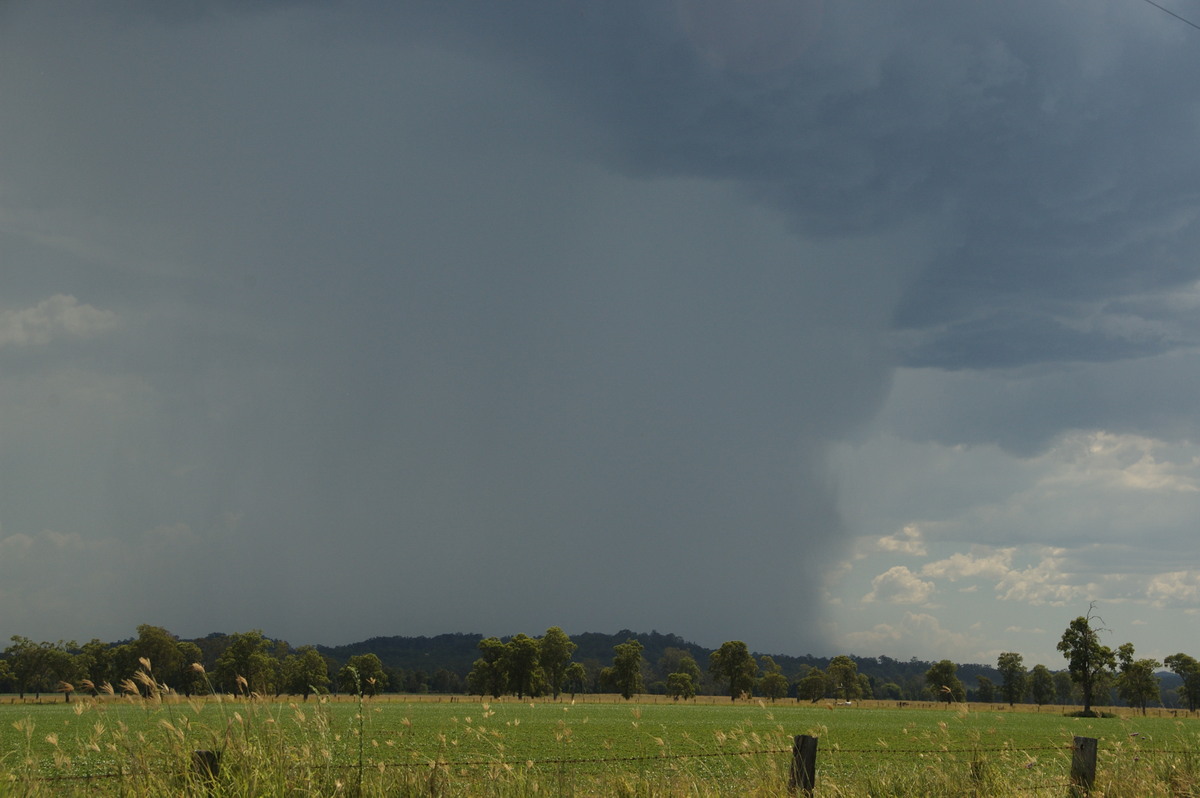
(683, 674)
(1106, 681)
(680, 685)
(161, 649)
(446, 681)
(95, 660)
(41, 667)
(943, 681)
(190, 680)
(247, 656)
(733, 664)
(1088, 660)
(1012, 668)
(1041, 685)
(521, 663)
(1064, 687)
(575, 677)
(814, 685)
(363, 675)
(843, 677)
(774, 684)
(889, 690)
(671, 657)
(627, 668)
(606, 680)
(1136, 683)
(27, 662)
(487, 676)
(987, 690)
(61, 669)
(1187, 669)
(687, 665)
(555, 656)
(305, 672)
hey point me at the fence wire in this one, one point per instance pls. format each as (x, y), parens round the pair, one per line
(832, 752)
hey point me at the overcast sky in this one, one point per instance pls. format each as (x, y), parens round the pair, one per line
(836, 327)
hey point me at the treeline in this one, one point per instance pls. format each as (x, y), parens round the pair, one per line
(627, 663)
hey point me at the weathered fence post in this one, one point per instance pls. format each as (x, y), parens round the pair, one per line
(804, 764)
(206, 765)
(1083, 766)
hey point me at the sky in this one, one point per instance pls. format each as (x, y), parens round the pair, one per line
(833, 326)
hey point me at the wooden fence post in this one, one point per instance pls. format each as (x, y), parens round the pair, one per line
(804, 764)
(1083, 766)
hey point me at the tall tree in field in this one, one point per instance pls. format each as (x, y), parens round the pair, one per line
(521, 661)
(1012, 668)
(1088, 660)
(161, 649)
(1065, 688)
(627, 668)
(986, 693)
(842, 673)
(363, 674)
(733, 664)
(1187, 669)
(943, 681)
(1041, 685)
(247, 656)
(575, 677)
(813, 685)
(190, 680)
(555, 655)
(683, 674)
(774, 684)
(487, 676)
(688, 666)
(1136, 683)
(305, 672)
(95, 661)
(63, 668)
(27, 662)
(680, 685)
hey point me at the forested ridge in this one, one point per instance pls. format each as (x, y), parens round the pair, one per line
(470, 663)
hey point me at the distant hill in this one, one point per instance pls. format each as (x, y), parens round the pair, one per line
(453, 652)
(457, 652)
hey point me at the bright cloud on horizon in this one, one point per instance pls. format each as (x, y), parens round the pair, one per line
(1120, 548)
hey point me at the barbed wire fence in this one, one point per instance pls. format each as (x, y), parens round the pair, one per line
(1076, 781)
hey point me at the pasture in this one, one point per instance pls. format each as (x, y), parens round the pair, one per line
(598, 746)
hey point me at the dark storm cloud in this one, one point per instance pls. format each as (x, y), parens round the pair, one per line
(528, 314)
(1055, 142)
(388, 319)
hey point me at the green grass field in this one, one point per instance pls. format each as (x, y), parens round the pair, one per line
(397, 747)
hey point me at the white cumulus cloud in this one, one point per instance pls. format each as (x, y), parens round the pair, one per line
(60, 316)
(1044, 583)
(1174, 588)
(993, 565)
(1102, 460)
(898, 585)
(908, 540)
